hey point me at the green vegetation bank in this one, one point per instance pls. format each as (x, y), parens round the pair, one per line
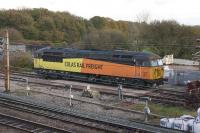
(42, 25)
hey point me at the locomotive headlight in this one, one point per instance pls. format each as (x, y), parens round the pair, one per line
(157, 72)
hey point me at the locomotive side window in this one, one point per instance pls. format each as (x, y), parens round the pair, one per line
(116, 56)
(133, 61)
(142, 63)
(53, 56)
(145, 63)
(99, 56)
(83, 55)
(126, 57)
(138, 63)
(67, 54)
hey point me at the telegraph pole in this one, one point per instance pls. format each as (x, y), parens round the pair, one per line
(6, 62)
(196, 56)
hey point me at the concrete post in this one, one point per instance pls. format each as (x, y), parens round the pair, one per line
(120, 95)
(27, 88)
(70, 96)
(146, 112)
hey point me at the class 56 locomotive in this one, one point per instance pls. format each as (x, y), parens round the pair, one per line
(101, 66)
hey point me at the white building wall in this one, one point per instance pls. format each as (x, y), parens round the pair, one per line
(185, 62)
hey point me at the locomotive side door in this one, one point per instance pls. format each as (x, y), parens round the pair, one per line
(39, 60)
(137, 68)
(138, 71)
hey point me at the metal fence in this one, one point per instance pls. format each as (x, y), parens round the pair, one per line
(181, 77)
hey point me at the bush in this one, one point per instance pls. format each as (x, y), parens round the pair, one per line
(21, 59)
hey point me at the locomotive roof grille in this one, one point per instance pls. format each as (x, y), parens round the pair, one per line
(116, 53)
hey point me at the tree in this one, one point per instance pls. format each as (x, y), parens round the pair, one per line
(46, 24)
(38, 25)
(98, 22)
(14, 35)
(105, 39)
(30, 32)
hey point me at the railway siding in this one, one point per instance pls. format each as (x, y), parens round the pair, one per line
(171, 97)
(86, 115)
(28, 126)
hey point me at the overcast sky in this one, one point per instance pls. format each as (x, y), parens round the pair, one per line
(184, 11)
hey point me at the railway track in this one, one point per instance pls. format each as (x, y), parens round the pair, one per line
(28, 126)
(103, 105)
(25, 74)
(99, 121)
(57, 85)
(89, 102)
(69, 118)
(165, 96)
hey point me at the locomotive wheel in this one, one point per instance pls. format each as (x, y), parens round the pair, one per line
(154, 85)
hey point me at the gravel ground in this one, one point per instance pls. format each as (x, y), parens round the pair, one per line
(41, 119)
(4, 129)
(59, 97)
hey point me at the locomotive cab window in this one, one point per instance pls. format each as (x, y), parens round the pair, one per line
(154, 63)
(38, 55)
(160, 62)
(35, 55)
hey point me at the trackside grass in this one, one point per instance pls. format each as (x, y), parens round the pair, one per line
(166, 110)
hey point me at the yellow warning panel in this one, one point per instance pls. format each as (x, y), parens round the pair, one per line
(72, 65)
(37, 62)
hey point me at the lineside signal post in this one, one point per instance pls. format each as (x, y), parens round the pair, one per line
(4, 44)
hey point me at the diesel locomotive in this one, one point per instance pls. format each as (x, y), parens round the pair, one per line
(100, 66)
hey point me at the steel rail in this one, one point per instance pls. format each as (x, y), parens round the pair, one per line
(154, 94)
(91, 116)
(28, 126)
(57, 115)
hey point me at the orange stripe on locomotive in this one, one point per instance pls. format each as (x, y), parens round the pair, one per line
(117, 70)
